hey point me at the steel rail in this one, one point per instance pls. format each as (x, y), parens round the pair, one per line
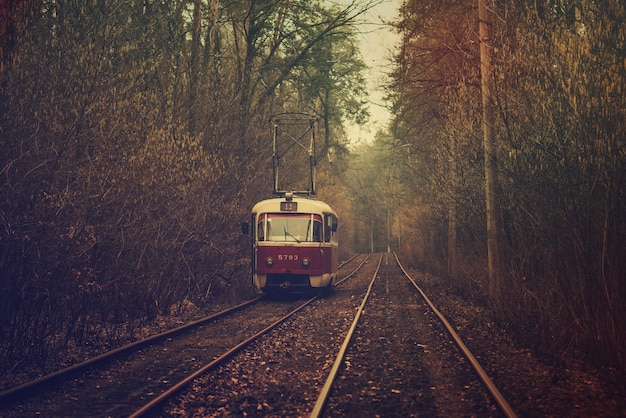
(15, 393)
(26, 389)
(491, 387)
(343, 263)
(353, 272)
(181, 384)
(219, 360)
(325, 392)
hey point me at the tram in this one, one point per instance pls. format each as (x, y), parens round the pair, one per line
(294, 236)
(294, 244)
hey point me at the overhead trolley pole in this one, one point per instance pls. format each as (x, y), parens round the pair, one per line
(290, 155)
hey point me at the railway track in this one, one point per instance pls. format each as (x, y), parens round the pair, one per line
(394, 325)
(375, 342)
(280, 374)
(395, 359)
(130, 378)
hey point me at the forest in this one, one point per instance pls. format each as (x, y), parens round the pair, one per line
(135, 138)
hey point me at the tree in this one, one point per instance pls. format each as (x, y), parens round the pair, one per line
(558, 77)
(131, 139)
(489, 145)
(437, 75)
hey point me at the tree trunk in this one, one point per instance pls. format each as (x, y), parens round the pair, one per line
(490, 157)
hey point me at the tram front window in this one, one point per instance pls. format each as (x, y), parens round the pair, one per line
(281, 227)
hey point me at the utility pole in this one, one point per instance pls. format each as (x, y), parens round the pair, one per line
(388, 198)
(452, 214)
(486, 74)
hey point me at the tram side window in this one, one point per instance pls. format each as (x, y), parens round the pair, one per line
(261, 228)
(330, 228)
(327, 228)
(317, 231)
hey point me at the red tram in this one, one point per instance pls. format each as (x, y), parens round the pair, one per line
(294, 244)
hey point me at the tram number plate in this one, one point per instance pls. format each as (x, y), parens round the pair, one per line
(288, 206)
(287, 257)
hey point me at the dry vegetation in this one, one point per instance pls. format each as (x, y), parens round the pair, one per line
(134, 139)
(559, 71)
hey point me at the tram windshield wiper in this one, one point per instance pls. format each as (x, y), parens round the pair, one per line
(287, 233)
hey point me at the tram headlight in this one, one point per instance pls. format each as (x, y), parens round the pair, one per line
(306, 262)
(269, 261)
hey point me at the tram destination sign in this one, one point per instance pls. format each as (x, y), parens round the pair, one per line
(288, 206)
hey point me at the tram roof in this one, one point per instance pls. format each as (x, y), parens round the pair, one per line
(303, 205)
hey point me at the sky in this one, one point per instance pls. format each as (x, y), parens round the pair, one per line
(378, 41)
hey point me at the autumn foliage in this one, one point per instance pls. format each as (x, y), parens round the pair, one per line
(134, 140)
(559, 80)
